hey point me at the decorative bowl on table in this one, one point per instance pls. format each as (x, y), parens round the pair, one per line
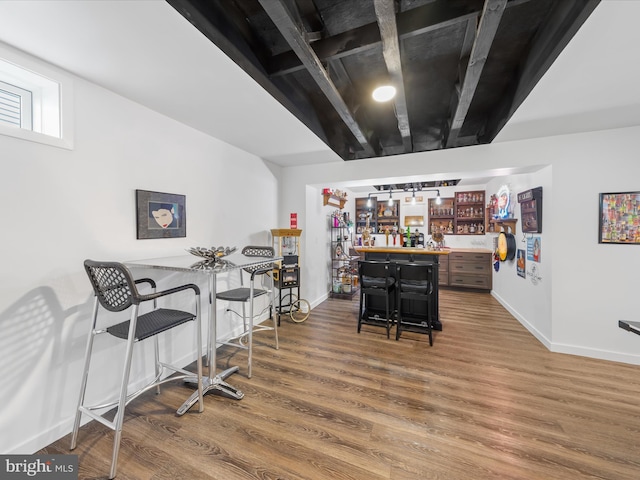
(212, 254)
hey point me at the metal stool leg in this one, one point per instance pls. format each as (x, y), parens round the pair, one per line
(119, 419)
(272, 312)
(85, 374)
(250, 335)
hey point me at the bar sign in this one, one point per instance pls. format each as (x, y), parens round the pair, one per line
(293, 221)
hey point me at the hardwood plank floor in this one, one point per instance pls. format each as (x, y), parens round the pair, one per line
(487, 401)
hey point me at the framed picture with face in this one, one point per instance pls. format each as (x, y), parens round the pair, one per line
(160, 215)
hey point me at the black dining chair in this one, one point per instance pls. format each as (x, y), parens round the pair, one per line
(414, 283)
(377, 299)
(243, 295)
(116, 291)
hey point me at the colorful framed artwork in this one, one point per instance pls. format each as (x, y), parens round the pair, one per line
(619, 218)
(160, 215)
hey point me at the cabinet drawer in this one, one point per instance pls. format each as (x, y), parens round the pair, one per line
(470, 256)
(443, 278)
(483, 268)
(474, 281)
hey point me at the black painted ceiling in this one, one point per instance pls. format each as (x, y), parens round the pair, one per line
(461, 67)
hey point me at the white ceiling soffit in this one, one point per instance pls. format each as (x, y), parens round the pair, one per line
(592, 85)
(143, 50)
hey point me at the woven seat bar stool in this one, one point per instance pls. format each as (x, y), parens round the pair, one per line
(414, 283)
(116, 291)
(244, 295)
(376, 280)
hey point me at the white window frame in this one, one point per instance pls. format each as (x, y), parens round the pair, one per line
(52, 98)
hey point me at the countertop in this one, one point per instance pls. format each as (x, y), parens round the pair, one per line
(407, 250)
(420, 251)
(471, 250)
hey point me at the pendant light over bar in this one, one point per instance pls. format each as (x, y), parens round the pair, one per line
(413, 197)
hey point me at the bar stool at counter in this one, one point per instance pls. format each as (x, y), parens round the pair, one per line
(414, 283)
(244, 295)
(376, 280)
(116, 290)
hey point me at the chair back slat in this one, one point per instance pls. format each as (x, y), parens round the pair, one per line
(112, 284)
(258, 251)
(415, 278)
(375, 274)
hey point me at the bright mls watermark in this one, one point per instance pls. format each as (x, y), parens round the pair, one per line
(51, 467)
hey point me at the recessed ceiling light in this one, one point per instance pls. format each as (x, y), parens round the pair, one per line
(384, 93)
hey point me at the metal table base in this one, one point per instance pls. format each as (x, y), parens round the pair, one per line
(215, 385)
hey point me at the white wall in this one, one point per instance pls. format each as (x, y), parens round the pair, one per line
(591, 285)
(594, 285)
(529, 299)
(61, 207)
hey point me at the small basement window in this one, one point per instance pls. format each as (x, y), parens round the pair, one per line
(15, 106)
(35, 100)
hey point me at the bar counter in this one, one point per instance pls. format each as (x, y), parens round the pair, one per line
(402, 251)
(409, 254)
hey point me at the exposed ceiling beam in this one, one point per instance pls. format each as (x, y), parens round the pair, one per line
(417, 21)
(310, 16)
(465, 54)
(487, 28)
(467, 47)
(282, 15)
(386, 16)
(343, 83)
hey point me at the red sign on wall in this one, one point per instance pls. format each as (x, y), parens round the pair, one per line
(293, 220)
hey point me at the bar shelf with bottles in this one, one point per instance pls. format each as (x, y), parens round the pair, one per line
(441, 216)
(463, 214)
(381, 214)
(388, 215)
(470, 213)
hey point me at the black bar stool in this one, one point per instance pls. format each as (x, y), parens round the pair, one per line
(376, 280)
(414, 283)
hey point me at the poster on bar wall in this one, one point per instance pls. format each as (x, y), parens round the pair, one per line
(521, 264)
(534, 249)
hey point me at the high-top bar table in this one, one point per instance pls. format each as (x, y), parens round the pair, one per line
(190, 264)
(409, 254)
(633, 327)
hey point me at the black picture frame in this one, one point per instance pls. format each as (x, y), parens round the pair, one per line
(619, 218)
(531, 210)
(160, 215)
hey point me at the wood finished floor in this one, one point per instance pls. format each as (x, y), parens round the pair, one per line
(487, 401)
